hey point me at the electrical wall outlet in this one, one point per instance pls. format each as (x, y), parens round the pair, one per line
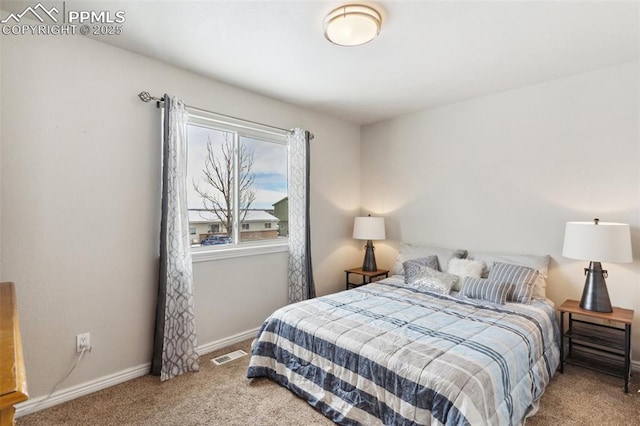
(83, 341)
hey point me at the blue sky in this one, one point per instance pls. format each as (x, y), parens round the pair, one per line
(269, 167)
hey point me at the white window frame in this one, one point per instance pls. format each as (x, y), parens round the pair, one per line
(239, 128)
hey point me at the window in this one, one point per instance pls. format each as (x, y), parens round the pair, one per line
(236, 175)
(192, 231)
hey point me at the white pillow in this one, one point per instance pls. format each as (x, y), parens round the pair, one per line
(465, 268)
(539, 263)
(410, 251)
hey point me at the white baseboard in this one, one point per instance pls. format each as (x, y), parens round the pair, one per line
(73, 392)
(67, 394)
(227, 341)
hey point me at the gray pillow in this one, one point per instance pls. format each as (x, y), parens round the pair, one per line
(431, 280)
(486, 289)
(522, 278)
(412, 267)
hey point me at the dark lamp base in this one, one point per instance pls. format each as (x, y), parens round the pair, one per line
(369, 264)
(595, 296)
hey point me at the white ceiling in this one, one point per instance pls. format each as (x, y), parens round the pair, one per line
(429, 53)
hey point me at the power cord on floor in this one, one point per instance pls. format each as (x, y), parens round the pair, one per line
(66, 376)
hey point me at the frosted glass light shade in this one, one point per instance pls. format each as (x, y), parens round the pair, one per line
(368, 228)
(352, 25)
(602, 242)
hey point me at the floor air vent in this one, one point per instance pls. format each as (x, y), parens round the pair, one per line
(223, 359)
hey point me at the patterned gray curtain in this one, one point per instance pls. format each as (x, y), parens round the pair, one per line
(301, 284)
(175, 334)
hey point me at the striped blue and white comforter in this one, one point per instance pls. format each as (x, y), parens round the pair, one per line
(388, 354)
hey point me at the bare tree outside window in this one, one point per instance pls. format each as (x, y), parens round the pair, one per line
(261, 185)
(216, 184)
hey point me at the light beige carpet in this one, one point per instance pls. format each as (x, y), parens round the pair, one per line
(222, 395)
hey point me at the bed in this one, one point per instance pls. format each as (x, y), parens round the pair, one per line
(388, 353)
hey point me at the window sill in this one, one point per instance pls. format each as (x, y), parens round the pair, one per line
(230, 252)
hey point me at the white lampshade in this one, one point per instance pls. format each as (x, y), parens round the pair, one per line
(601, 242)
(352, 25)
(368, 228)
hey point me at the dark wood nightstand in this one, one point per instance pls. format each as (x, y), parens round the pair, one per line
(595, 345)
(367, 276)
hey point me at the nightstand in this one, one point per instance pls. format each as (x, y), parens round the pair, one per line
(596, 344)
(367, 276)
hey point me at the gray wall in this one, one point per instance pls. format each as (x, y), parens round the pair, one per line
(504, 173)
(81, 198)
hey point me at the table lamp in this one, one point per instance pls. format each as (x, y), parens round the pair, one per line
(597, 242)
(369, 228)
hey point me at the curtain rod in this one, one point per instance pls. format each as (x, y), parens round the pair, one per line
(146, 97)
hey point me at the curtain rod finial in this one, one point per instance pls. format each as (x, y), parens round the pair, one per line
(145, 96)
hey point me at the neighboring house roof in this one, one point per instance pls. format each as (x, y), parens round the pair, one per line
(205, 216)
(278, 202)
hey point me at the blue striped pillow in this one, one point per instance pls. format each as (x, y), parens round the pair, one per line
(485, 289)
(522, 278)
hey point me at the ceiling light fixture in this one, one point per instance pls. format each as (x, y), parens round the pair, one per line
(352, 25)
